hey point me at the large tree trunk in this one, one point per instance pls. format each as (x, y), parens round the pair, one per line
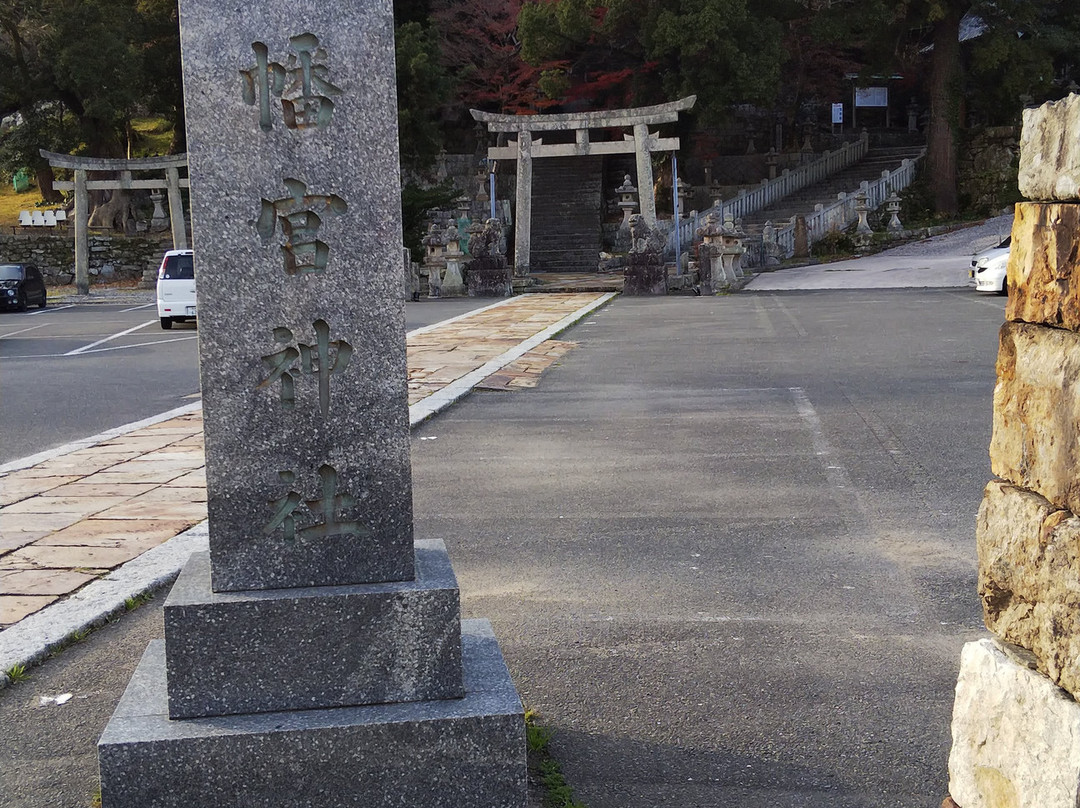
(945, 111)
(116, 213)
(45, 177)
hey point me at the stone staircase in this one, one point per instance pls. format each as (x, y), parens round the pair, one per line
(802, 202)
(566, 211)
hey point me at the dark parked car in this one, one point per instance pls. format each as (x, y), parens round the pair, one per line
(21, 285)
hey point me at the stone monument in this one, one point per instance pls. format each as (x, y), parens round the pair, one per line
(489, 275)
(315, 656)
(644, 273)
(1016, 718)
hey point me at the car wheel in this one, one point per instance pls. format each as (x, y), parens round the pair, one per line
(44, 300)
(21, 305)
(1004, 290)
(166, 323)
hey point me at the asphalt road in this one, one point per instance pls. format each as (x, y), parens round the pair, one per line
(727, 547)
(67, 372)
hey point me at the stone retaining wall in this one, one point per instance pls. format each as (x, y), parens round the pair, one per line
(112, 258)
(1016, 720)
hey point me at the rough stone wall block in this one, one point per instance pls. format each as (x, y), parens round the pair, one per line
(1050, 151)
(1036, 439)
(1029, 578)
(1044, 284)
(1016, 737)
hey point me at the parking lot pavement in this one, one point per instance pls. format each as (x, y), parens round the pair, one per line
(70, 517)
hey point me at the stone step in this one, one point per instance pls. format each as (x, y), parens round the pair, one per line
(567, 197)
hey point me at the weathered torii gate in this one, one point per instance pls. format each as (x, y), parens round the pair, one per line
(173, 182)
(642, 144)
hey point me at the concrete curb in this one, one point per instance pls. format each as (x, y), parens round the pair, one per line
(101, 437)
(439, 401)
(33, 638)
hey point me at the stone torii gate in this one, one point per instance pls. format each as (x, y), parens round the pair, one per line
(642, 144)
(82, 166)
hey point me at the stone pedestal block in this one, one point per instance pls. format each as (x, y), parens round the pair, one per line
(1050, 151)
(1029, 578)
(489, 277)
(1035, 442)
(1044, 265)
(1016, 736)
(295, 649)
(644, 274)
(455, 753)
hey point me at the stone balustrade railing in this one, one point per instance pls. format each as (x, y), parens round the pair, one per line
(841, 213)
(772, 191)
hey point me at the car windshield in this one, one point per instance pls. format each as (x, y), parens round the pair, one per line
(11, 272)
(179, 267)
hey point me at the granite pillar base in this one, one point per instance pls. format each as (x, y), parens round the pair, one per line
(331, 646)
(489, 277)
(454, 753)
(644, 275)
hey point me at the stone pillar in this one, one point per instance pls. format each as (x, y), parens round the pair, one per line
(523, 223)
(316, 655)
(82, 234)
(1016, 718)
(646, 193)
(176, 210)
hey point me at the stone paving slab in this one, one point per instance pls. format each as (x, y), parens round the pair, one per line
(73, 517)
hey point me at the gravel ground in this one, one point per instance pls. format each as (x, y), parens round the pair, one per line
(966, 241)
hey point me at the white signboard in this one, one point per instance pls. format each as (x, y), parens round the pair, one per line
(871, 96)
(837, 113)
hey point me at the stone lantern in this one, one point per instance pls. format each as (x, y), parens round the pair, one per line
(714, 279)
(683, 193)
(715, 194)
(892, 205)
(863, 233)
(627, 200)
(732, 249)
(453, 285)
(771, 160)
(434, 258)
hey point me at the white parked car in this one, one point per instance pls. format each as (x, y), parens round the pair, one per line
(988, 268)
(176, 288)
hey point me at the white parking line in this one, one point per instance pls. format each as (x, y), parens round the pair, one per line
(22, 331)
(136, 308)
(86, 348)
(49, 310)
(139, 344)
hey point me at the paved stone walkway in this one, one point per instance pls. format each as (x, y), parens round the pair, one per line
(70, 519)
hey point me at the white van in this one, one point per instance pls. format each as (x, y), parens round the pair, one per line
(176, 288)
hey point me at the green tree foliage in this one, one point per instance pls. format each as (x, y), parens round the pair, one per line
(422, 87)
(648, 51)
(1015, 51)
(77, 71)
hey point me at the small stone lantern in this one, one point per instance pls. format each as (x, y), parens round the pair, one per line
(627, 200)
(892, 205)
